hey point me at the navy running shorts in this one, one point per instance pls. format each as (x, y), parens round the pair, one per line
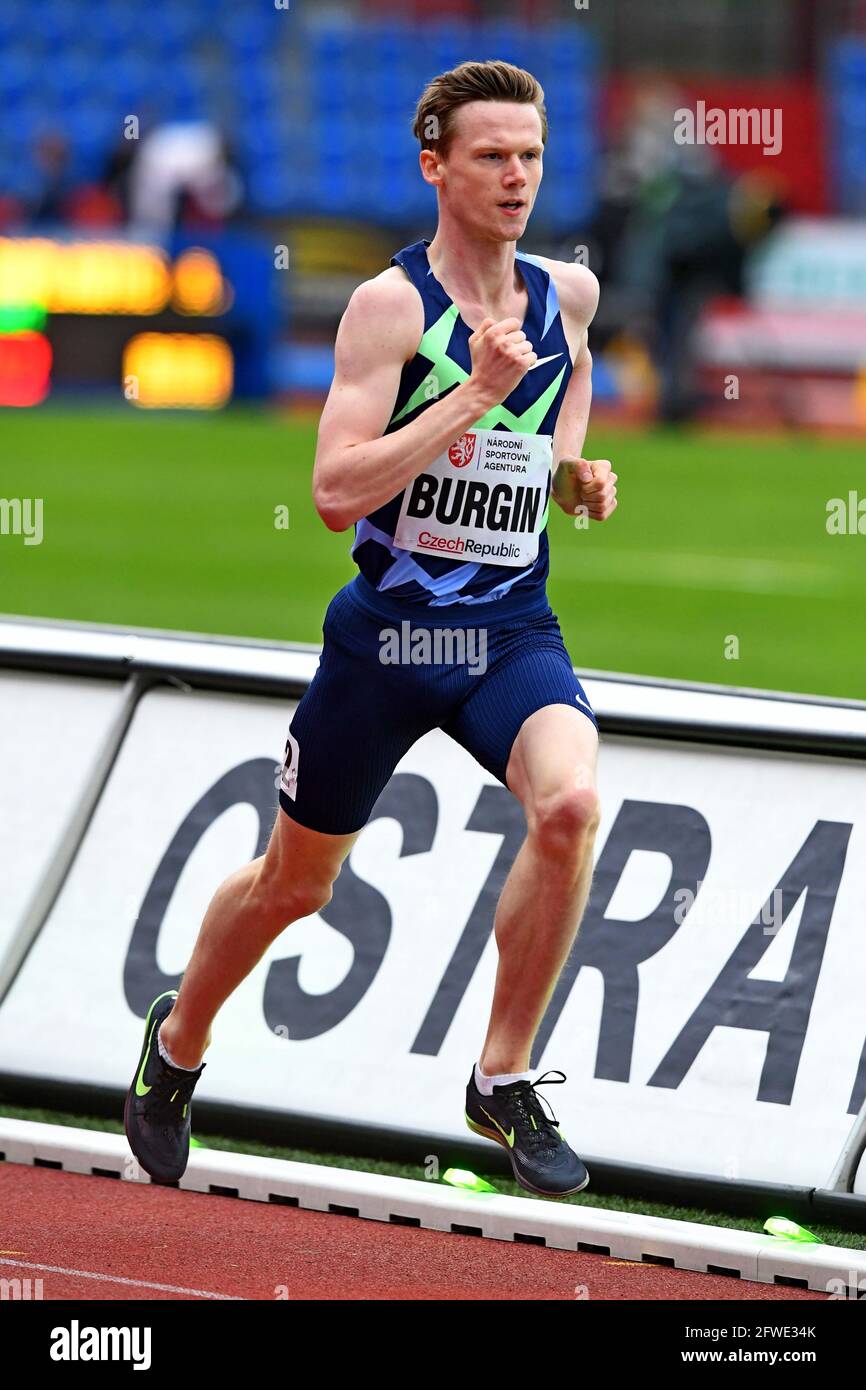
(381, 685)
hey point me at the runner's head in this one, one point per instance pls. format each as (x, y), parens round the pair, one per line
(482, 129)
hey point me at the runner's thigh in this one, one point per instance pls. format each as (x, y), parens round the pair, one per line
(528, 667)
(353, 725)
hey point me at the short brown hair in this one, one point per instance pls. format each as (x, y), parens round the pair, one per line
(491, 81)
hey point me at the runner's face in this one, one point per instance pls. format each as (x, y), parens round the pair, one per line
(495, 158)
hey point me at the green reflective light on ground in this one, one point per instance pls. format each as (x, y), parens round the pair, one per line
(194, 1143)
(789, 1230)
(461, 1177)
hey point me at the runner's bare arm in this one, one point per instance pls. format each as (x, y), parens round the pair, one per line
(578, 298)
(570, 432)
(575, 479)
(357, 469)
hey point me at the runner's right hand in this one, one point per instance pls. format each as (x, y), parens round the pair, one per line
(501, 355)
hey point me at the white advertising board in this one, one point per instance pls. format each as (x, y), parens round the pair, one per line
(709, 1019)
(51, 731)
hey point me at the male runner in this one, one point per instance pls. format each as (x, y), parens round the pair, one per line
(459, 405)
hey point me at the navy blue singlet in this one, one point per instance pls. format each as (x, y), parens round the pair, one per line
(394, 580)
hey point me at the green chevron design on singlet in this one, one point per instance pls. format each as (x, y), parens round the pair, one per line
(446, 373)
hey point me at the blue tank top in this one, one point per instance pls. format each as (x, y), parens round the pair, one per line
(395, 582)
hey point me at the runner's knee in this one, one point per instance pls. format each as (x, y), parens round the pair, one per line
(564, 818)
(285, 901)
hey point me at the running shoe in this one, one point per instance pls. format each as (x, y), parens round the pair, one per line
(541, 1160)
(158, 1110)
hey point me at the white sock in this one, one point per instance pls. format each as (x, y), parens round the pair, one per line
(166, 1055)
(485, 1084)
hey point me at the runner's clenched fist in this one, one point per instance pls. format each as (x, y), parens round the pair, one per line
(587, 483)
(501, 355)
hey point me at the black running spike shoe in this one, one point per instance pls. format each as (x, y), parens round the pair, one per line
(158, 1110)
(542, 1161)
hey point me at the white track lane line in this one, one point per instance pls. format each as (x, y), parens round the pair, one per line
(714, 573)
(118, 1279)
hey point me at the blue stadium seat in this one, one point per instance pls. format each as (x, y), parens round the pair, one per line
(22, 180)
(569, 96)
(845, 83)
(569, 47)
(119, 24)
(73, 75)
(262, 141)
(19, 76)
(349, 88)
(847, 60)
(276, 189)
(341, 189)
(388, 45)
(13, 22)
(22, 124)
(336, 86)
(499, 39)
(254, 31)
(54, 22)
(333, 43)
(386, 91)
(444, 45)
(129, 80)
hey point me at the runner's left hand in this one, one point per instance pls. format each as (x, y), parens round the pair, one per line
(589, 483)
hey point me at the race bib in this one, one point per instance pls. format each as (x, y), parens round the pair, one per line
(483, 499)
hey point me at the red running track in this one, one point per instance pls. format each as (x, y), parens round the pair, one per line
(99, 1238)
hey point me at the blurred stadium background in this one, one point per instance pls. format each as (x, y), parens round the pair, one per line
(190, 191)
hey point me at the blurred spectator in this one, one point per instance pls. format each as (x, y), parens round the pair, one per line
(11, 213)
(93, 206)
(118, 173)
(51, 157)
(182, 172)
(673, 231)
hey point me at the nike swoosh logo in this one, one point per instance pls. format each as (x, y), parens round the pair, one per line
(540, 363)
(140, 1088)
(509, 1138)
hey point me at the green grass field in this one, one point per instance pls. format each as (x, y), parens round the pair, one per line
(168, 521)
